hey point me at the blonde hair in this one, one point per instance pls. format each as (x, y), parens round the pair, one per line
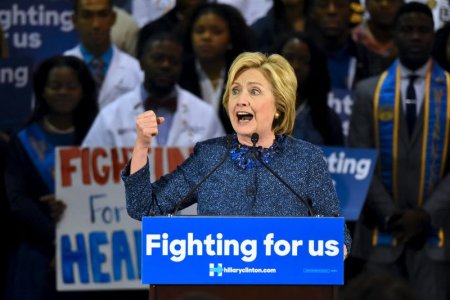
(279, 73)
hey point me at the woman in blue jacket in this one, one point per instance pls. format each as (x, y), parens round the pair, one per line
(260, 101)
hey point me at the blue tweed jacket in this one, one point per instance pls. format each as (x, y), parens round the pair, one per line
(235, 189)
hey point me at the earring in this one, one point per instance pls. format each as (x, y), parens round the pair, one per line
(277, 115)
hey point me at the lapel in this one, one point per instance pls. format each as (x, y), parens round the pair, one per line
(181, 131)
(403, 129)
(411, 141)
(111, 78)
(178, 119)
(418, 127)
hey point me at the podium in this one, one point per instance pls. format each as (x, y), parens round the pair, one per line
(242, 257)
(245, 292)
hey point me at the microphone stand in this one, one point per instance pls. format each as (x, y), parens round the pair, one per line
(195, 188)
(255, 138)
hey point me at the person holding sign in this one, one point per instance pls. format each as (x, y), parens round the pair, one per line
(257, 171)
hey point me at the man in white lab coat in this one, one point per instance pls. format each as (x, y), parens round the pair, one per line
(116, 72)
(188, 119)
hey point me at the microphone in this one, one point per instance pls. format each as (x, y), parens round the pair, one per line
(195, 188)
(255, 139)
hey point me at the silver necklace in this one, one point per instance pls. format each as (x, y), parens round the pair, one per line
(53, 129)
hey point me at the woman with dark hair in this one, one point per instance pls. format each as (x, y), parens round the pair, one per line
(66, 106)
(80, 116)
(315, 122)
(215, 35)
(441, 47)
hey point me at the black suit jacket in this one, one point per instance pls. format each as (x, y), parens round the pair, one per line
(379, 203)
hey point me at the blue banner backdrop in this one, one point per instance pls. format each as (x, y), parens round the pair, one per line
(34, 30)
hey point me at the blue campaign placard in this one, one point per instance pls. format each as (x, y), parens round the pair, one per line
(242, 250)
(351, 170)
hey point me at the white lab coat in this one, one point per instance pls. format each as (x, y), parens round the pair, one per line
(145, 11)
(123, 75)
(250, 10)
(193, 121)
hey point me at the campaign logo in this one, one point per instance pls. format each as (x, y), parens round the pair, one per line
(215, 269)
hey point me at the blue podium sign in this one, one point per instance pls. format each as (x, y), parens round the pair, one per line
(242, 250)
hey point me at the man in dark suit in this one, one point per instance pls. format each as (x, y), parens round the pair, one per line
(405, 114)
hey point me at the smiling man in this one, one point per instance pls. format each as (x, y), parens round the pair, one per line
(405, 114)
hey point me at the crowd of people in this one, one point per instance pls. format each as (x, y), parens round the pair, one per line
(182, 79)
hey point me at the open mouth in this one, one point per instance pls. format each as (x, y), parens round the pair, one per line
(244, 117)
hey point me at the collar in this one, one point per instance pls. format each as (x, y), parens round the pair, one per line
(202, 73)
(145, 94)
(88, 56)
(421, 72)
(151, 102)
(242, 155)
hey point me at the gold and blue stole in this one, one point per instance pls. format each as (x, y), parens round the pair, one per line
(41, 153)
(387, 107)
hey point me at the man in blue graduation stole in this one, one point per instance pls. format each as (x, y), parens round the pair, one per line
(405, 114)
